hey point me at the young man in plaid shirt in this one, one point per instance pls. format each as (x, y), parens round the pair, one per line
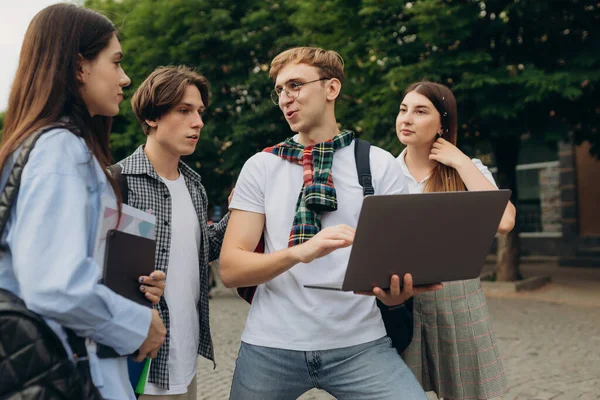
(296, 338)
(169, 106)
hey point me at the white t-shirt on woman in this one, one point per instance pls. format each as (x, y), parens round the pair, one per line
(417, 187)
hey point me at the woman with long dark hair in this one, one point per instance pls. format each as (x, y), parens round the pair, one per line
(69, 76)
(453, 351)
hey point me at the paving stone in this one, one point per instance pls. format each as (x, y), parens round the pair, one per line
(550, 351)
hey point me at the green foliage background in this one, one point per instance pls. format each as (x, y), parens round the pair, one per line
(520, 69)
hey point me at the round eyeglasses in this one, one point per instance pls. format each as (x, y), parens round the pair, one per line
(291, 89)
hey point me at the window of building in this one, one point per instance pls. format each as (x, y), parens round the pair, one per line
(538, 192)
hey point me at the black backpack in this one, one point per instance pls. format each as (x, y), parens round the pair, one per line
(33, 361)
(398, 320)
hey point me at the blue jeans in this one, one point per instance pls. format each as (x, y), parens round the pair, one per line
(372, 370)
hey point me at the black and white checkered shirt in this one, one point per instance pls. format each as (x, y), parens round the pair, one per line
(148, 192)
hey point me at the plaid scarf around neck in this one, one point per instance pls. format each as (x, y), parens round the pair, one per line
(318, 193)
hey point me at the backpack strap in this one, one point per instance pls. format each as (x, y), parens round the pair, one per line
(362, 153)
(398, 320)
(115, 171)
(80, 354)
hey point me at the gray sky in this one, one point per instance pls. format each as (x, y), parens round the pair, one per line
(15, 16)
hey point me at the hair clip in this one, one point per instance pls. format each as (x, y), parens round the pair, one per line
(443, 98)
(445, 114)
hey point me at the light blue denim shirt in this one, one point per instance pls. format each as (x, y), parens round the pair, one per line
(51, 235)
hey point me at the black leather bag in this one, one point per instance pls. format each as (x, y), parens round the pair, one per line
(33, 362)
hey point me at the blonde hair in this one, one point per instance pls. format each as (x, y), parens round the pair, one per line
(443, 178)
(329, 63)
(163, 89)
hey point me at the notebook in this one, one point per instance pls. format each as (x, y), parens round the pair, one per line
(127, 258)
(125, 249)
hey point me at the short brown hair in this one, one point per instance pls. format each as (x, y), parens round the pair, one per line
(163, 89)
(329, 63)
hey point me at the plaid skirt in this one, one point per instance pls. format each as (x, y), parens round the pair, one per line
(453, 351)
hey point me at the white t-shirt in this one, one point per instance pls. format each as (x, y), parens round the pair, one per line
(182, 292)
(284, 314)
(417, 187)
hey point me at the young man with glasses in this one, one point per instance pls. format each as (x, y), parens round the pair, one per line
(296, 338)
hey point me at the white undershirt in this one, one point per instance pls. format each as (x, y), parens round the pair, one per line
(182, 292)
(415, 186)
(284, 314)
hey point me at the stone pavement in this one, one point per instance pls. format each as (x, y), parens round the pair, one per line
(550, 350)
(574, 286)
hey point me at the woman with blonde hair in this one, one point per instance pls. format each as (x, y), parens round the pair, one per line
(453, 351)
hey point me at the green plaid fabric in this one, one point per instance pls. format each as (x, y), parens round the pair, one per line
(318, 193)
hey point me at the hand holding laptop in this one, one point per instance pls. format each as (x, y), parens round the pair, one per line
(398, 294)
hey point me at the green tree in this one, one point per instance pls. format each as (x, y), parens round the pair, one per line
(518, 68)
(231, 43)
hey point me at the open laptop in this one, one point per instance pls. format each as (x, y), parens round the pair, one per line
(436, 237)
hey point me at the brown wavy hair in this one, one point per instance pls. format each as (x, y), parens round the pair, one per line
(442, 178)
(45, 87)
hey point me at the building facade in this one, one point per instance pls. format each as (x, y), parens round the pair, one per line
(558, 202)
